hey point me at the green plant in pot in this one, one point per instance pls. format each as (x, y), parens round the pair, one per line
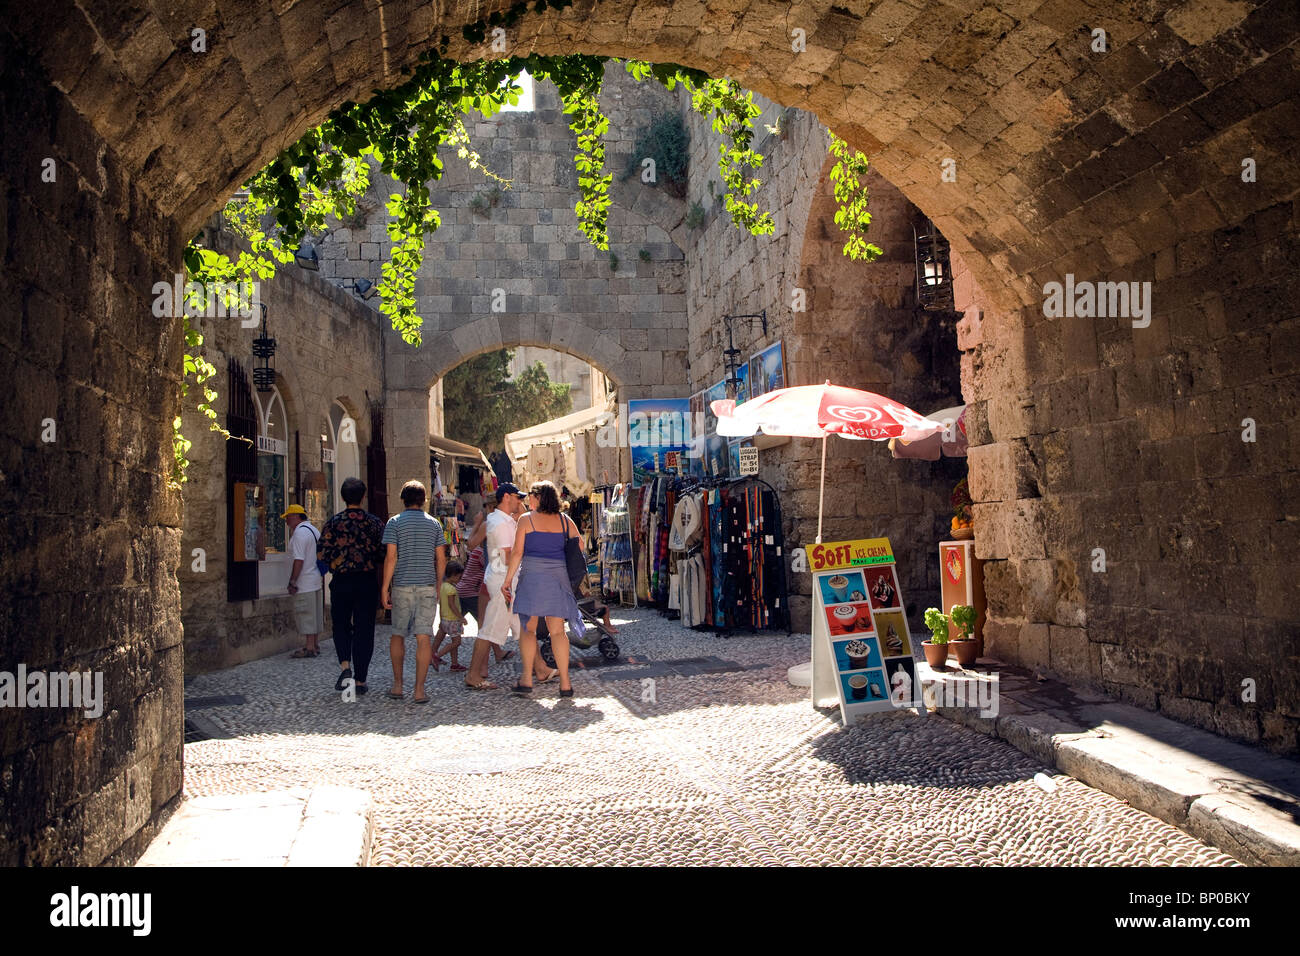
(936, 648)
(965, 646)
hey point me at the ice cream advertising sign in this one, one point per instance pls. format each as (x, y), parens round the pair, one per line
(849, 554)
(860, 637)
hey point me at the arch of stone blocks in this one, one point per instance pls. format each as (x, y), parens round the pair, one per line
(1124, 165)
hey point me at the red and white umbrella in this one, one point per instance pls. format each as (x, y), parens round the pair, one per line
(816, 411)
(951, 443)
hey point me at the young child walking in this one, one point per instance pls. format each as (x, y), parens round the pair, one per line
(452, 620)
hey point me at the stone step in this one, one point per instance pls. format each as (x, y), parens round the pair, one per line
(1241, 799)
(316, 826)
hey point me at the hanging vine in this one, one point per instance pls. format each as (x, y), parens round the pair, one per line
(401, 130)
(849, 176)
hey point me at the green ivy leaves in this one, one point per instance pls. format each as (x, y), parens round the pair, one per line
(733, 112)
(849, 176)
(400, 131)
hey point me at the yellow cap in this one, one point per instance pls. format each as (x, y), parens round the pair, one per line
(294, 510)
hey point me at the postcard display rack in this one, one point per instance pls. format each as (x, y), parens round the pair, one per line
(617, 571)
(860, 638)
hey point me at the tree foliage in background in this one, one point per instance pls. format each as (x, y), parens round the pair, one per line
(481, 404)
(668, 143)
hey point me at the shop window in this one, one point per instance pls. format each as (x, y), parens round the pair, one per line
(244, 507)
(272, 466)
(319, 486)
(347, 451)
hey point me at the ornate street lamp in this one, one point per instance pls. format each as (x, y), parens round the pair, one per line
(264, 352)
(933, 269)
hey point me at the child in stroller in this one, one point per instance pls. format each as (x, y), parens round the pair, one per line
(599, 632)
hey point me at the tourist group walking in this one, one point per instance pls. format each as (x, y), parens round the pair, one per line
(514, 576)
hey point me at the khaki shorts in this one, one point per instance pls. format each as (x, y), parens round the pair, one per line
(414, 610)
(309, 611)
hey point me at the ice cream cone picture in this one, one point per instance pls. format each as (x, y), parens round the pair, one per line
(953, 565)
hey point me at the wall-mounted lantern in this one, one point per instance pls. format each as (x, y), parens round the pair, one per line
(933, 268)
(730, 354)
(363, 288)
(264, 352)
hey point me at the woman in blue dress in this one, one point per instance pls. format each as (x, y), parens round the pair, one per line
(543, 589)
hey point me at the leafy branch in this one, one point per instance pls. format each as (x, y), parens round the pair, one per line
(400, 131)
(849, 176)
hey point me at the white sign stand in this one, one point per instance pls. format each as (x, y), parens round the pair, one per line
(860, 637)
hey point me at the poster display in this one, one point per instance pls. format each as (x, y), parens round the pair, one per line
(742, 384)
(656, 426)
(860, 638)
(695, 458)
(247, 543)
(716, 452)
(767, 370)
(961, 581)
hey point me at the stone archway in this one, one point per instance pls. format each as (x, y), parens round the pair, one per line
(407, 395)
(1122, 166)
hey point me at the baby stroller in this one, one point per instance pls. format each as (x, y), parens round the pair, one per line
(597, 634)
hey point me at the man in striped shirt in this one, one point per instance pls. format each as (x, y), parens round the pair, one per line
(413, 568)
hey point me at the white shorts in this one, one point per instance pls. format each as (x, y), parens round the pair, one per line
(497, 623)
(309, 611)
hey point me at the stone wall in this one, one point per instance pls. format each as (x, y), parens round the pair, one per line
(1123, 165)
(623, 311)
(329, 348)
(857, 325)
(91, 528)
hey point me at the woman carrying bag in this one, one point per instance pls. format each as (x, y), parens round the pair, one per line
(544, 588)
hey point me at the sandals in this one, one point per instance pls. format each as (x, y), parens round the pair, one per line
(486, 685)
(555, 672)
(391, 696)
(457, 668)
(519, 690)
(566, 693)
(302, 652)
(506, 656)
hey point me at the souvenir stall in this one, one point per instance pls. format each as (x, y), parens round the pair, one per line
(613, 525)
(711, 552)
(457, 469)
(557, 451)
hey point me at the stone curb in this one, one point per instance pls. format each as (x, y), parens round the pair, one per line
(1244, 801)
(321, 826)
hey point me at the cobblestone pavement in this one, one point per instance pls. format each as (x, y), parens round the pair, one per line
(723, 768)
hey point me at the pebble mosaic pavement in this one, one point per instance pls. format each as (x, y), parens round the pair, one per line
(724, 768)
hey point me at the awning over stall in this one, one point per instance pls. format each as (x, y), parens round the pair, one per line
(456, 449)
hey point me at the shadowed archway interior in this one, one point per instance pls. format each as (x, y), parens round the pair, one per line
(1119, 163)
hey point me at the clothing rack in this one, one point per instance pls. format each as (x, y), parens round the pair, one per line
(617, 563)
(737, 558)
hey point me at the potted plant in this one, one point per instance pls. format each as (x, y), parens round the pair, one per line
(961, 527)
(965, 646)
(936, 649)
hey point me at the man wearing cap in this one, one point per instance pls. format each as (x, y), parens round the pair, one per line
(305, 582)
(496, 621)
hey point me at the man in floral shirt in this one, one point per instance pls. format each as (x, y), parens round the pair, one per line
(351, 543)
